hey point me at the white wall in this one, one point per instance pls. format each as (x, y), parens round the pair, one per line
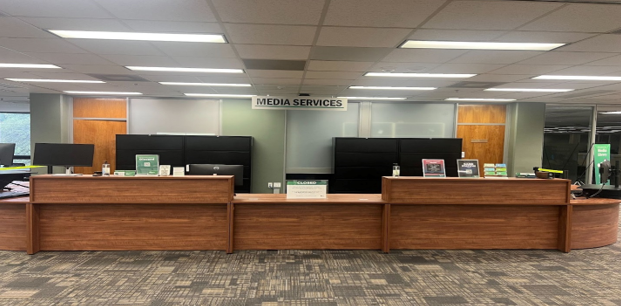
(187, 116)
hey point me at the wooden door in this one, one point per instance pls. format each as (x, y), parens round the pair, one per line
(482, 128)
(98, 121)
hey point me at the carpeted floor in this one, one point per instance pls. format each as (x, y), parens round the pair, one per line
(314, 278)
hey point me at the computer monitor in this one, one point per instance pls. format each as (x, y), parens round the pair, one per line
(7, 152)
(604, 171)
(64, 154)
(215, 169)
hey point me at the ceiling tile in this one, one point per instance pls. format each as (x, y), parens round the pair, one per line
(528, 69)
(38, 44)
(543, 37)
(116, 47)
(270, 11)
(376, 81)
(183, 49)
(488, 15)
(277, 81)
(13, 27)
(380, 13)
(274, 74)
(455, 35)
(56, 8)
(349, 53)
(615, 60)
(332, 75)
(272, 52)
(361, 37)
(565, 58)
(601, 43)
(139, 60)
(270, 34)
(494, 57)
(499, 77)
(186, 10)
(82, 24)
(70, 58)
(211, 62)
(579, 18)
(423, 55)
(403, 67)
(589, 70)
(173, 26)
(342, 82)
(10, 56)
(465, 68)
(339, 66)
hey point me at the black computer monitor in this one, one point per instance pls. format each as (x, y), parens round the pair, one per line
(605, 171)
(64, 154)
(7, 152)
(215, 169)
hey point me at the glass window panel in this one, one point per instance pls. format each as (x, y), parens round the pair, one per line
(15, 128)
(402, 120)
(309, 137)
(609, 130)
(566, 139)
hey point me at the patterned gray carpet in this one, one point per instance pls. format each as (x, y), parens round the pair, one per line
(314, 278)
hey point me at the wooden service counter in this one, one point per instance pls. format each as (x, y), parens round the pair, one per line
(128, 213)
(200, 213)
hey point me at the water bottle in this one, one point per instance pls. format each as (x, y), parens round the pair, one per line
(105, 168)
(395, 170)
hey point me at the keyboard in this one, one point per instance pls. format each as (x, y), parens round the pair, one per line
(13, 194)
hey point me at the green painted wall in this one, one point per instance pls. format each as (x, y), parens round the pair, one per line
(525, 142)
(50, 119)
(268, 129)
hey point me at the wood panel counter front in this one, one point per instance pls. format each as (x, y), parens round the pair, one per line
(128, 213)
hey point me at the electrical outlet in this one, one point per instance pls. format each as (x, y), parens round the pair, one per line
(270, 185)
(277, 185)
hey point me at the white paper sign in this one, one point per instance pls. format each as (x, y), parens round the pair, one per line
(307, 189)
(299, 103)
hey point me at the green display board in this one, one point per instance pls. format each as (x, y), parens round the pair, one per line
(602, 153)
(147, 164)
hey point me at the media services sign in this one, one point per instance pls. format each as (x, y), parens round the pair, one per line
(299, 103)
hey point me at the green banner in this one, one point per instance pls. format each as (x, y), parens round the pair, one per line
(601, 154)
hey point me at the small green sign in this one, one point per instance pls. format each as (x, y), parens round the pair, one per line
(147, 164)
(307, 189)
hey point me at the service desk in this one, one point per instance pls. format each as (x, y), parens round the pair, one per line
(201, 213)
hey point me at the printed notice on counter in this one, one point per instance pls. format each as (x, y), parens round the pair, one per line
(307, 189)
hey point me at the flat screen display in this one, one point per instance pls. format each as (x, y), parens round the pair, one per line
(7, 152)
(63, 154)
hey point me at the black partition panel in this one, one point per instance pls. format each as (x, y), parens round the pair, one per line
(360, 163)
(180, 150)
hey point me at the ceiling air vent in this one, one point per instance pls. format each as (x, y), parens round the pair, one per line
(118, 78)
(261, 64)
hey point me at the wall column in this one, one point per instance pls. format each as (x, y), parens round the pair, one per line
(49, 122)
(527, 120)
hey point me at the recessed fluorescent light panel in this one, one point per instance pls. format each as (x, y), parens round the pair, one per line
(182, 69)
(479, 99)
(204, 38)
(469, 45)
(44, 66)
(205, 84)
(218, 95)
(419, 75)
(54, 81)
(129, 93)
(578, 78)
(611, 113)
(392, 87)
(529, 89)
(373, 98)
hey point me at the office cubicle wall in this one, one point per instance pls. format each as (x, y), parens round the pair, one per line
(180, 150)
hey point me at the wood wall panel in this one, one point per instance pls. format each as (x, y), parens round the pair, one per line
(103, 135)
(594, 226)
(481, 114)
(13, 227)
(117, 189)
(99, 108)
(307, 226)
(133, 227)
(418, 190)
(473, 227)
(483, 142)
